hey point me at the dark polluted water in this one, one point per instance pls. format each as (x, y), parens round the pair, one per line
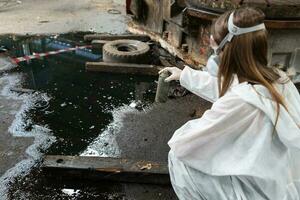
(81, 101)
(78, 111)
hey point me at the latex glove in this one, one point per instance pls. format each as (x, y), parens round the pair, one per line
(213, 44)
(175, 73)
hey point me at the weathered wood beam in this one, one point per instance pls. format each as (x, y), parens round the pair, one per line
(206, 15)
(123, 68)
(21, 90)
(98, 44)
(108, 37)
(282, 24)
(271, 24)
(105, 169)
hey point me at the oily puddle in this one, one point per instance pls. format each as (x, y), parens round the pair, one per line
(81, 102)
(76, 106)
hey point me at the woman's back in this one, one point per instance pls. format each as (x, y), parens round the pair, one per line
(234, 143)
(247, 146)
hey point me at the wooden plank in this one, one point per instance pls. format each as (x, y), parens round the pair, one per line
(282, 24)
(109, 169)
(22, 90)
(202, 14)
(271, 24)
(108, 37)
(98, 44)
(273, 9)
(123, 68)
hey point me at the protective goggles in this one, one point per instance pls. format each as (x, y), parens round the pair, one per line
(234, 30)
(213, 61)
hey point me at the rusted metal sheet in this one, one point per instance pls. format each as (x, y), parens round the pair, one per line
(149, 13)
(190, 60)
(123, 68)
(199, 43)
(186, 34)
(187, 24)
(174, 34)
(99, 168)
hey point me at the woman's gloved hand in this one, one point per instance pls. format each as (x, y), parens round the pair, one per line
(175, 73)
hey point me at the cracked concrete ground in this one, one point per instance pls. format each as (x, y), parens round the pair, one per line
(61, 16)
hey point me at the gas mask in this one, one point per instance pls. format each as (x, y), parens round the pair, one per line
(213, 61)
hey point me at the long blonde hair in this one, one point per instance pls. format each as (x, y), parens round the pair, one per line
(246, 54)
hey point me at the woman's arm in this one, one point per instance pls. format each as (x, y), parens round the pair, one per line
(200, 83)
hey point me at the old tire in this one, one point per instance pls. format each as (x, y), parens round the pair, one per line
(126, 51)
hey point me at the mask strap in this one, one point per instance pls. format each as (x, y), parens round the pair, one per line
(234, 30)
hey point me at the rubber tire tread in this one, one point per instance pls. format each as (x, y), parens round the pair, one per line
(111, 54)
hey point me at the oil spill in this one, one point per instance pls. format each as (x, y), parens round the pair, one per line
(81, 101)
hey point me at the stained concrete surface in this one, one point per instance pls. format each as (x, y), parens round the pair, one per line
(61, 16)
(145, 135)
(12, 149)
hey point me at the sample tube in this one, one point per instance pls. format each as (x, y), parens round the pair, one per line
(162, 88)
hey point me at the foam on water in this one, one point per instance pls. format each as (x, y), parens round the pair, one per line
(42, 135)
(71, 192)
(6, 63)
(105, 144)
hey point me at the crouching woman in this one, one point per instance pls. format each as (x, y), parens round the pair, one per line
(247, 146)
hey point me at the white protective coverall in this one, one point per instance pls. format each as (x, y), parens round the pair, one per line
(232, 151)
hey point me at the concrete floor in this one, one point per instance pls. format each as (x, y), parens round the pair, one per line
(12, 149)
(144, 136)
(61, 16)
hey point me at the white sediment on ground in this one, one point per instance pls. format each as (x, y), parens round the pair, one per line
(6, 63)
(42, 135)
(105, 144)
